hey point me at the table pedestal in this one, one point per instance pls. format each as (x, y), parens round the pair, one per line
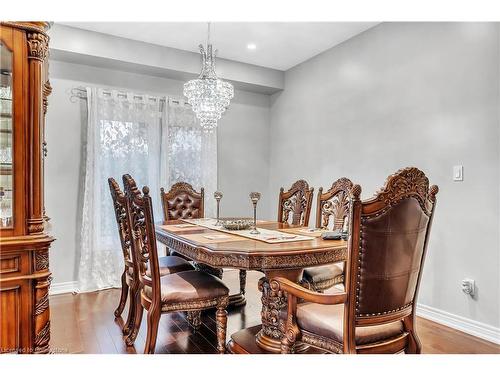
(243, 342)
(273, 314)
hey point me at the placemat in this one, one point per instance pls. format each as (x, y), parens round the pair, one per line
(207, 238)
(266, 235)
(305, 231)
(180, 227)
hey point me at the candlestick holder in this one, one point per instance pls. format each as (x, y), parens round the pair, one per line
(254, 197)
(218, 197)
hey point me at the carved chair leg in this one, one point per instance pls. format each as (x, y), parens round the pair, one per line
(289, 337)
(285, 346)
(194, 319)
(414, 345)
(153, 320)
(290, 330)
(137, 320)
(123, 296)
(243, 281)
(221, 319)
(129, 324)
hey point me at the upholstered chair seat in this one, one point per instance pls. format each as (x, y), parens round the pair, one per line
(328, 321)
(189, 286)
(324, 277)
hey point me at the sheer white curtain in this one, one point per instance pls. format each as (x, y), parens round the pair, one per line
(123, 136)
(192, 152)
(158, 142)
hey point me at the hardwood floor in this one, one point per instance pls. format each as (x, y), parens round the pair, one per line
(84, 323)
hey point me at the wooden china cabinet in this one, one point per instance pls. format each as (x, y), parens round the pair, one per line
(24, 244)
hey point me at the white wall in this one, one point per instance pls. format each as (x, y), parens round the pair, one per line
(243, 154)
(407, 94)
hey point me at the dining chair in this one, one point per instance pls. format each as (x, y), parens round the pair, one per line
(183, 291)
(297, 201)
(332, 209)
(182, 201)
(170, 264)
(388, 237)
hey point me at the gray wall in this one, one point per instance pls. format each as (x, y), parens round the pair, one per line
(399, 94)
(407, 94)
(243, 154)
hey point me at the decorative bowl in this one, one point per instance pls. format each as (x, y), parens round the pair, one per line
(236, 223)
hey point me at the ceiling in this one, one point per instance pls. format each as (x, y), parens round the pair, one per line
(278, 45)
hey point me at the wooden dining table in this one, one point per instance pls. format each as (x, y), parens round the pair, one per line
(229, 250)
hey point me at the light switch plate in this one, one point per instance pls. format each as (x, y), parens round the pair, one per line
(458, 173)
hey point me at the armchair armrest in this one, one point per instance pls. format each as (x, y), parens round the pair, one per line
(280, 283)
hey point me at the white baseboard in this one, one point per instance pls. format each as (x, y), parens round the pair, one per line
(61, 288)
(472, 327)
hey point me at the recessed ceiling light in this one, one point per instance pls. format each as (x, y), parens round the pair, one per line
(251, 46)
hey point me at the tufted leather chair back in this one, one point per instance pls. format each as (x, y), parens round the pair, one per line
(387, 246)
(294, 205)
(182, 202)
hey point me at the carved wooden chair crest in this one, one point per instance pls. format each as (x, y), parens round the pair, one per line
(333, 205)
(297, 201)
(387, 244)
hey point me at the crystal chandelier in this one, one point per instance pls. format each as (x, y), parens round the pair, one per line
(209, 96)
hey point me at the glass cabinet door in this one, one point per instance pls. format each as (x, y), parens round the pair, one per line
(6, 137)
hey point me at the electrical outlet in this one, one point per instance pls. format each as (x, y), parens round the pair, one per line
(468, 286)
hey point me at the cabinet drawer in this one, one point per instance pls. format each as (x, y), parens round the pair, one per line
(14, 264)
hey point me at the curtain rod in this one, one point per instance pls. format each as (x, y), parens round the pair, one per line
(81, 93)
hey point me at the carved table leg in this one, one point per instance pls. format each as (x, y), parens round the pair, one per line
(194, 319)
(274, 312)
(243, 281)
